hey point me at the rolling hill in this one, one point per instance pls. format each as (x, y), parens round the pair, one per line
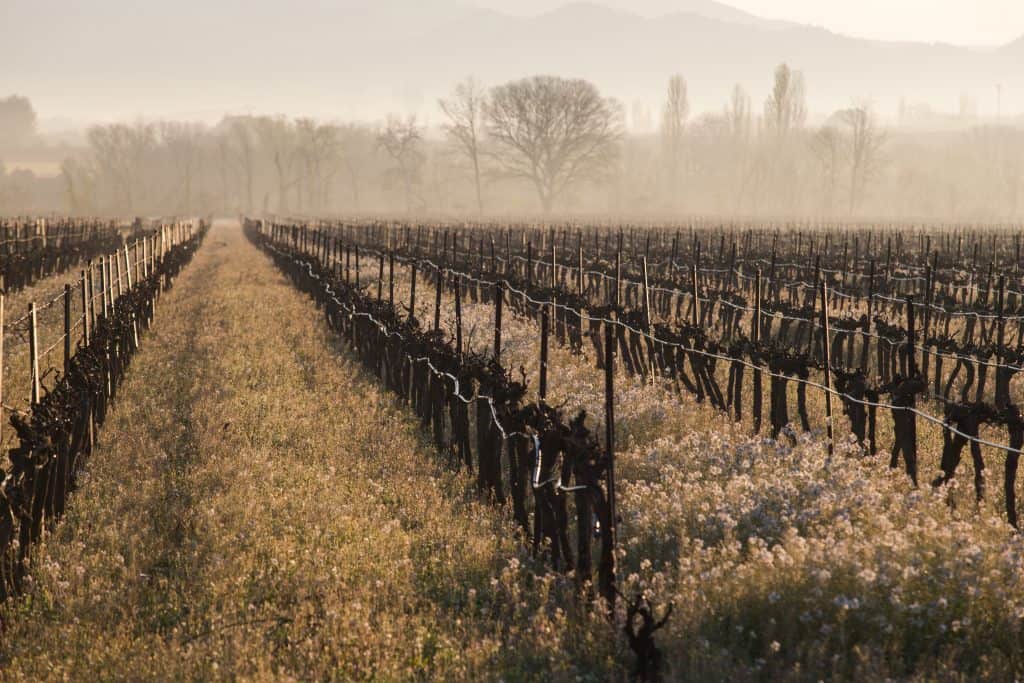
(362, 58)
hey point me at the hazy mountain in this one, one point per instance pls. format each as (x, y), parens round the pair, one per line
(631, 56)
(657, 8)
(364, 57)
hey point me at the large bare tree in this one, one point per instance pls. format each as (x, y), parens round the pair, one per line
(184, 145)
(673, 128)
(739, 115)
(864, 143)
(786, 107)
(401, 140)
(17, 122)
(465, 113)
(238, 150)
(120, 153)
(278, 139)
(827, 146)
(318, 149)
(358, 147)
(553, 132)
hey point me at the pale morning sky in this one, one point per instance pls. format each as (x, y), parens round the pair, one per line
(961, 22)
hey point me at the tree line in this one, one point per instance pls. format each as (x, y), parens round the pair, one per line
(545, 144)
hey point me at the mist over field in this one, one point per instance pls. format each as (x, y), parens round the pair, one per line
(706, 108)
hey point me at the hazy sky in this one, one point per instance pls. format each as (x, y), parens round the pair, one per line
(961, 22)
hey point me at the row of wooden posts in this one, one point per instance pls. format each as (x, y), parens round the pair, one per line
(344, 260)
(813, 258)
(111, 279)
(324, 247)
(37, 232)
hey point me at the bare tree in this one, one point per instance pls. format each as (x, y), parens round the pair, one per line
(358, 146)
(318, 147)
(120, 154)
(827, 146)
(401, 140)
(17, 122)
(277, 138)
(224, 170)
(240, 148)
(786, 108)
(79, 185)
(183, 142)
(465, 113)
(864, 143)
(997, 154)
(673, 127)
(738, 114)
(553, 132)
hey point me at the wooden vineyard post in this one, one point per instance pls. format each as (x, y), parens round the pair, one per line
(870, 322)
(606, 574)
(128, 276)
(1016, 257)
(618, 277)
(755, 336)
(437, 299)
(828, 366)
(391, 277)
(911, 339)
(888, 254)
(357, 265)
(458, 315)
(103, 283)
(380, 278)
(67, 329)
(544, 324)
(86, 327)
(499, 298)
(670, 270)
(116, 269)
(554, 265)
(647, 298)
(529, 263)
(1000, 301)
(755, 324)
(929, 276)
(811, 322)
(695, 316)
(33, 342)
(579, 265)
(110, 283)
(412, 293)
(1001, 329)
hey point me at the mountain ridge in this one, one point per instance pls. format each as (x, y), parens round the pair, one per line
(365, 57)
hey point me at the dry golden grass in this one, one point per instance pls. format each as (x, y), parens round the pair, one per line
(259, 509)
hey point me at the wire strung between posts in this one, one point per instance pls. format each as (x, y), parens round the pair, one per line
(718, 356)
(456, 390)
(802, 284)
(766, 371)
(748, 309)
